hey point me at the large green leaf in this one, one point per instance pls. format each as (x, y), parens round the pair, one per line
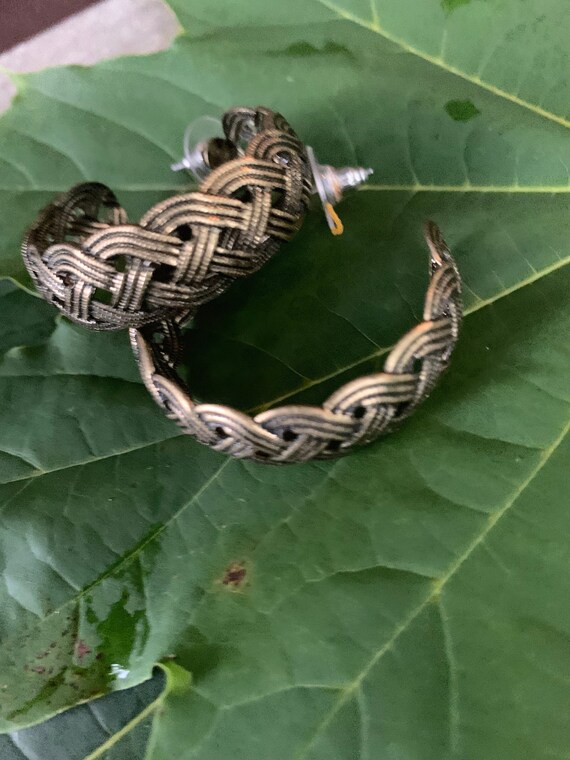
(123, 718)
(407, 602)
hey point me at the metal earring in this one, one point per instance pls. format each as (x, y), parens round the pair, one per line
(329, 183)
(107, 273)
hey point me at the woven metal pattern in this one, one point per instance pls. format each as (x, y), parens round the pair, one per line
(355, 414)
(107, 274)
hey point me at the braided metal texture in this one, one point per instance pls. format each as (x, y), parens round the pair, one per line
(355, 414)
(106, 273)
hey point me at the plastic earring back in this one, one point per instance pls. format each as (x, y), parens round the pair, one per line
(329, 184)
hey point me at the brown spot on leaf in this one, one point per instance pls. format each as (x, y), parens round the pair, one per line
(234, 575)
(38, 669)
(81, 649)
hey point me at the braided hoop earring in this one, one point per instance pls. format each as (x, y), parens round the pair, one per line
(107, 274)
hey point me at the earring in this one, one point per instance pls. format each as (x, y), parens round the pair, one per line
(327, 182)
(255, 183)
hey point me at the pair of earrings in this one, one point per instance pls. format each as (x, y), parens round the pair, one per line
(107, 273)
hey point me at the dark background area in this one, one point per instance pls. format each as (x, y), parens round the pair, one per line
(20, 19)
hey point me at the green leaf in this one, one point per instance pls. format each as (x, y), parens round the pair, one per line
(123, 720)
(23, 320)
(408, 601)
(461, 110)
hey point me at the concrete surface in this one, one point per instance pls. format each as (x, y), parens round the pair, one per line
(106, 30)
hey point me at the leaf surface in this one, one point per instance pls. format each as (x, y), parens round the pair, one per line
(405, 602)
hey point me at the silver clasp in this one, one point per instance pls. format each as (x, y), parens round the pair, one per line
(329, 184)
(195, 158)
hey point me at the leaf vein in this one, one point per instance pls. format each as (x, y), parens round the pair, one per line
(440, 63)
(436, 589)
